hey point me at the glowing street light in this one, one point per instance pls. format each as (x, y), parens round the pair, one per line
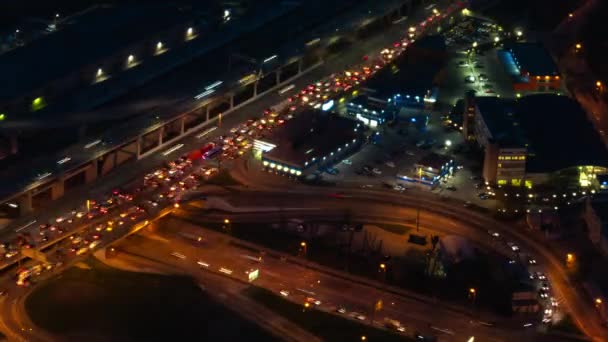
(448, 143)
(474, 44)
(519, 33)
(496, 39)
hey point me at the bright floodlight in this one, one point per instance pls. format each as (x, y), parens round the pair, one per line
(448, 143)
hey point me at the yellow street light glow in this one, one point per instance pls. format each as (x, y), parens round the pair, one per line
(519, 33)
(578, 46)
(226, 221)
(412, 29)
(303, 244)
(363, 338)
(130, 59)
(383, 266)
(159, 46)
(474, 44)
(598, 301)
(598, 84)
(472, 290)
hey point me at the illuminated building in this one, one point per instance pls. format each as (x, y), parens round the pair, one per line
(310, 141)
(531, 68)
(429, 170)
(410, 79)
(538, 139)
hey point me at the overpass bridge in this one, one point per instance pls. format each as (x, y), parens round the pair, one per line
(48, 178)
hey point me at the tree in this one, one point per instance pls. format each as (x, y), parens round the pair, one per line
(434, 241)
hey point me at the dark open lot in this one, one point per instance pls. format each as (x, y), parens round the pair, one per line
(104, 304)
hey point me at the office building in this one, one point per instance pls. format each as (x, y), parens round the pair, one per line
(537, 139)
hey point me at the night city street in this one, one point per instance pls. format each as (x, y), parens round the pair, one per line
(337, 170)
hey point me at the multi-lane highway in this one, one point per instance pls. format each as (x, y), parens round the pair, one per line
(446, 216)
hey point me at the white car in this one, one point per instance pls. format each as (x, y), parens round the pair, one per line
(347, 162)
(284, 293)
(376, 171)
(390, 164)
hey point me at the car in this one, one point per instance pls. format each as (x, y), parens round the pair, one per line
(483, 196)
(94, 244)
(82, 250)
(347, 162)
(341, 310)
(390, 164)
(398, 187)
(376, 171)
(284, 293)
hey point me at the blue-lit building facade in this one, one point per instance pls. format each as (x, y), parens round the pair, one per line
(429, 170)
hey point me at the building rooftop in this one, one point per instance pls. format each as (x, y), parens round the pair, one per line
(499, 116)
(100, 32)
(559, 134)
(408, 74)
(434, 160)
(554, 129)
(311, 134)
(532, 58)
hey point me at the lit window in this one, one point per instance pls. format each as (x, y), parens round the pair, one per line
(502, 182)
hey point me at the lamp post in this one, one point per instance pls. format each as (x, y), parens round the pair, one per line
(303, 249)
(227, 226)
(472, 295)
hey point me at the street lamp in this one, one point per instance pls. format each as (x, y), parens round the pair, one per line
(474, 44)
(448, 143)
(363, 338)
(303, 248)
(598, 302)
(472, 294)
(227, 225)
(519, 33)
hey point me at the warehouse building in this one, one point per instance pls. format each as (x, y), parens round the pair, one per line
(310, 141)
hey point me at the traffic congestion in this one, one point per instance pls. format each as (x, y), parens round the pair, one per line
(101, 221)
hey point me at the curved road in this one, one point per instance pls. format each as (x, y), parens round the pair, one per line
(454, 218)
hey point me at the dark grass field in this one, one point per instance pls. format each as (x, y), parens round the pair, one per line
(104, 304)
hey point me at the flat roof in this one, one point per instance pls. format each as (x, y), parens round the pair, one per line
(312, 133)
(434, 160)
(532, 58)
(554, 129)
(407, 75)
(499, 116)
(100, 32)
(559, 133)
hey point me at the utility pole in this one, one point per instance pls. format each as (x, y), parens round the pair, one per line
(418, 218)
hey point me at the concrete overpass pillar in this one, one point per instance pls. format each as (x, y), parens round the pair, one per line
(182, 125)
(207, 112)
(255, 89)
(139, 142)
(161, 131)
(231, 101)
(57, 189)
(25, 203)
(278, 75)
(91, 172)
